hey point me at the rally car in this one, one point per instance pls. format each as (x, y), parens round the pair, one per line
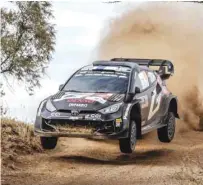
(119, 99)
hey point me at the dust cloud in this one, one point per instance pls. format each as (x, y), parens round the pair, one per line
(166, 30)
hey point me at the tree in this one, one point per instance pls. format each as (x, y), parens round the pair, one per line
(27, 41)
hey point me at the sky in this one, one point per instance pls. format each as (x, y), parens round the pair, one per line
(79, 26)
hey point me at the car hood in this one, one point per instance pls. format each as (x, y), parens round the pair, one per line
(84, 101)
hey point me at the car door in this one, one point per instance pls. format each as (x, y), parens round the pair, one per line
(156, 96)
(144, 97)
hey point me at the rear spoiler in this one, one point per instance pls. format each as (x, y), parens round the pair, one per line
(164, 68)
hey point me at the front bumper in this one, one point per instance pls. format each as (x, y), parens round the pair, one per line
(105, 126)
(122, 134)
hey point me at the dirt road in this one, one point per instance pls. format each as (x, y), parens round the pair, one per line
(169, 31)
(80, 161)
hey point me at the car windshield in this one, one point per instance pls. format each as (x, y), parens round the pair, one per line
(98, 81)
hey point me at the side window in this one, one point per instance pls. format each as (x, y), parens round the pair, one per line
(159, 84)
(143, 80)
(138, 83)
(152, 77)
(158, 88)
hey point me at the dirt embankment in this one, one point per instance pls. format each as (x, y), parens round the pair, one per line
(17, 138)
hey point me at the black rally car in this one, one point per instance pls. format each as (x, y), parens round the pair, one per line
(118, 99)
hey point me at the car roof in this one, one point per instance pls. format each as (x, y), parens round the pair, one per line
(116, 63)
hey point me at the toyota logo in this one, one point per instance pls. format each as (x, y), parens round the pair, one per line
(74, 112)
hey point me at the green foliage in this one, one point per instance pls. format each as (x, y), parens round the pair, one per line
(27, 41)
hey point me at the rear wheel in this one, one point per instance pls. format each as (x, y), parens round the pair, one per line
(166, 134)
(127, 145)
(48, 142)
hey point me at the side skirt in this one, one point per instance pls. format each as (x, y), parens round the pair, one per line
(151, 127)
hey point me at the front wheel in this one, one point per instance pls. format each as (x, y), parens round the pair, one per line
(127, 145)
(166, 133)
(48, 142)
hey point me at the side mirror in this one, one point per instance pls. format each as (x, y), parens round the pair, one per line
(137, 90)
(60, 87)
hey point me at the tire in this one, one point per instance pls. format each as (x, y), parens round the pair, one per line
(127, 145)
(48, 142)
(166, 133)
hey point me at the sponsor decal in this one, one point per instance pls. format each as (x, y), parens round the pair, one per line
(77, 105)
(100, 74)
(74, 118)
(86, 98)
(75, 100)
(155, 104)
(105, 72)
(98, 99)
(127, 111)
(73, 95)
(55, 114)
(93, 116)
(115, 68)
(104, 95)
(118, 122)
(75, 112)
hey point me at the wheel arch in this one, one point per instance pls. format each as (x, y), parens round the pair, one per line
(135, 114)
(173, 106)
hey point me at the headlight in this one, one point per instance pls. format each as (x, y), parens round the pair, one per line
(111, 109)
(49, 106)
(40, 107)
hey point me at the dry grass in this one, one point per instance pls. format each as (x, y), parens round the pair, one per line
(17, 138)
